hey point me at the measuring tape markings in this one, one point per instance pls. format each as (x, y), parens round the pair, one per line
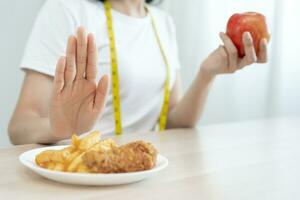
(115, 75)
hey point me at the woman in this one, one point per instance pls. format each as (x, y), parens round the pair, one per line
(51, 109)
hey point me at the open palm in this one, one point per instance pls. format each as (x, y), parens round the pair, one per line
(77, 99)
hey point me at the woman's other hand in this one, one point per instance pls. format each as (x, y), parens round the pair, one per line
(225, 59)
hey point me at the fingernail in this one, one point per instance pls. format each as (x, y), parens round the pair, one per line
(105, 74)
(81, 28)
(248, 34)
(265, 41)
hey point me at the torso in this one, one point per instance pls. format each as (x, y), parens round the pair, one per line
(141, 67)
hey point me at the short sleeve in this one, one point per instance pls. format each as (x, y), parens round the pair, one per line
(174, 43)
(48, 38)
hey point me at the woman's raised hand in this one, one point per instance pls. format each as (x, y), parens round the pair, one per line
(225, 59)
(77, 99)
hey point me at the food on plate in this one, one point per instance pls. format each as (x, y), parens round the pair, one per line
(92, 155)
(252, 22)
(132, 157)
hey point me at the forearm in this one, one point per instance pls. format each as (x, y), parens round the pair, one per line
(31, 129)
(188, 110)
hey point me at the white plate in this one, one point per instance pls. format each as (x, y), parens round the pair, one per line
(28, 159)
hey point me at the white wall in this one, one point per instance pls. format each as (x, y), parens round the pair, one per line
(287, 80)
(258, 91)
(16, 19)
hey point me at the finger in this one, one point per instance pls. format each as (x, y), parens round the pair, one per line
(223, 54)
(70, 71)
(263, 51)
(101, 94)
(59, 81)
(250, 56)
(91, 70)
(231, 51)
(81, 57)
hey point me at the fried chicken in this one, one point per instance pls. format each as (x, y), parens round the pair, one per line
(92, 155)
(132, 157)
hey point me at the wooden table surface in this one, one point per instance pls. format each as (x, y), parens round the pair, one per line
(247, 160)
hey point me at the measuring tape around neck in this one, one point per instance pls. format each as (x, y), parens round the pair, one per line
(115, 75)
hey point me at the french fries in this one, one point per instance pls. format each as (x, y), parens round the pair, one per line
(69, 159)
(89, 141)
(92, 155)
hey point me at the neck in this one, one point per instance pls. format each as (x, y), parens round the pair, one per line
(134, 8)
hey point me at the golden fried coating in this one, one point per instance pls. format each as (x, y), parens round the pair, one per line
(132, 157)
(55, 159)
(92, 155)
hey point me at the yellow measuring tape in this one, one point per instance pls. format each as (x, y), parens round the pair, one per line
(115, 75)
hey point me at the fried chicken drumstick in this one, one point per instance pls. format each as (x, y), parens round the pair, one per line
(132, 157)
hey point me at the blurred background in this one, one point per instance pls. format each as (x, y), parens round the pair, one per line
(260, 91)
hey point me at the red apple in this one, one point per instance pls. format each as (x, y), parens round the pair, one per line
(252, 22)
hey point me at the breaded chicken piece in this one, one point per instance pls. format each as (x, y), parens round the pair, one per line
(132, 157)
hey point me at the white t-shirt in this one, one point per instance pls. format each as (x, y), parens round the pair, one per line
(141, 67)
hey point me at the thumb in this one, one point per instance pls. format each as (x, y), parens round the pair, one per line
(101, 93)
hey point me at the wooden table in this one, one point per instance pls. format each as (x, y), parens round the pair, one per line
(246, 160)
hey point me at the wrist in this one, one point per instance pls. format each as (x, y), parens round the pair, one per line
(206, 72)
(59, 132)
(44, 134)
